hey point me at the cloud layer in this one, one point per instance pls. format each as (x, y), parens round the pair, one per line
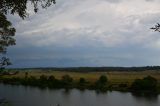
(88, 33)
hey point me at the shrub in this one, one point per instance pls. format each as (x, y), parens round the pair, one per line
(51, 78)
(103, 79)
(26, 75)
(52, 82)
(32, 81)
(101, 83)
(66, 80)
(146, 84)
(82, 81)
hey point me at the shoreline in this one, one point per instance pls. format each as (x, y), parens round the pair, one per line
(67, 82)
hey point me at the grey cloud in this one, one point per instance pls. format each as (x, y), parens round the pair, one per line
(113, 1)
(65, 57)
(150, 0)
(149, 19)
(87, 33)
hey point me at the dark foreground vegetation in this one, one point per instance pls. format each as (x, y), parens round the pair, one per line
(146, 85)
(51, 82)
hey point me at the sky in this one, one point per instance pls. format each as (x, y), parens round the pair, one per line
(79, 33)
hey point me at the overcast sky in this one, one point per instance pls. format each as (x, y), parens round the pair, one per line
(76, 33)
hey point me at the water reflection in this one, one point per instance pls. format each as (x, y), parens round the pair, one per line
(151, 98)
(30, 96)
(5, 102)
(147, 96)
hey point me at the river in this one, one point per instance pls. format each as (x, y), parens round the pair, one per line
(32, 96)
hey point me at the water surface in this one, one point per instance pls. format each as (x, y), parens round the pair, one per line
(30, 96)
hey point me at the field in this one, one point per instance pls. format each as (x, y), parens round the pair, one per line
(114, 77)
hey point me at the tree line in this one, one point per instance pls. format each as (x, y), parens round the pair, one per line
(147, 84)
(93, 69)
(51, 82)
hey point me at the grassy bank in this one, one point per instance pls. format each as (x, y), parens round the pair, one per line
(117, 80)
(114, 77)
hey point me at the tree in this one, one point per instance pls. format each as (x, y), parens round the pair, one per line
(146, 84)
(26, 75)
(6, 39)
(82, 81)
(43, 79)
(51, 78)
(4, 62)
(103, 79)
(156, 27)
(66, 80)
(20, 6)
(7, 32)
(101, 83)
(51, 81)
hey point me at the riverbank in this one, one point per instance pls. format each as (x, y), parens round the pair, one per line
(114, 77)
(119, 81)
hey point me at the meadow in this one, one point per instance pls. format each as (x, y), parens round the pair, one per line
(114, 77)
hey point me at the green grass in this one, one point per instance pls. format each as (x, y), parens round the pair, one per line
(115, 77)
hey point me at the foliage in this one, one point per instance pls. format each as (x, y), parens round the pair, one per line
(101, 83)
(4, 61)
(26, 75)
(20, 6)
(146, 84)
(31, 81)
(156, 27)
(103, 79)
(43, 78)
(98, 69)
(82, 81)
(51, 78)
(7, 32)
(52, 81)
(66, 80)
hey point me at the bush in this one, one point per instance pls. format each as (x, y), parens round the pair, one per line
(26, 75)
(122, 85)
(66, 80)
(150, 83)
(51, 78)
(103, 79)
(43, 78)
(101, 83)
(52, 82)
(82, 81)
(146, 84)
(32, 81)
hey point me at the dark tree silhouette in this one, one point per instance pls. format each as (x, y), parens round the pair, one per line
(7, 32)
(6, 39)
(20, 6)
(4, 62)
(146, 84)
(156, 27)
(66, 80)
